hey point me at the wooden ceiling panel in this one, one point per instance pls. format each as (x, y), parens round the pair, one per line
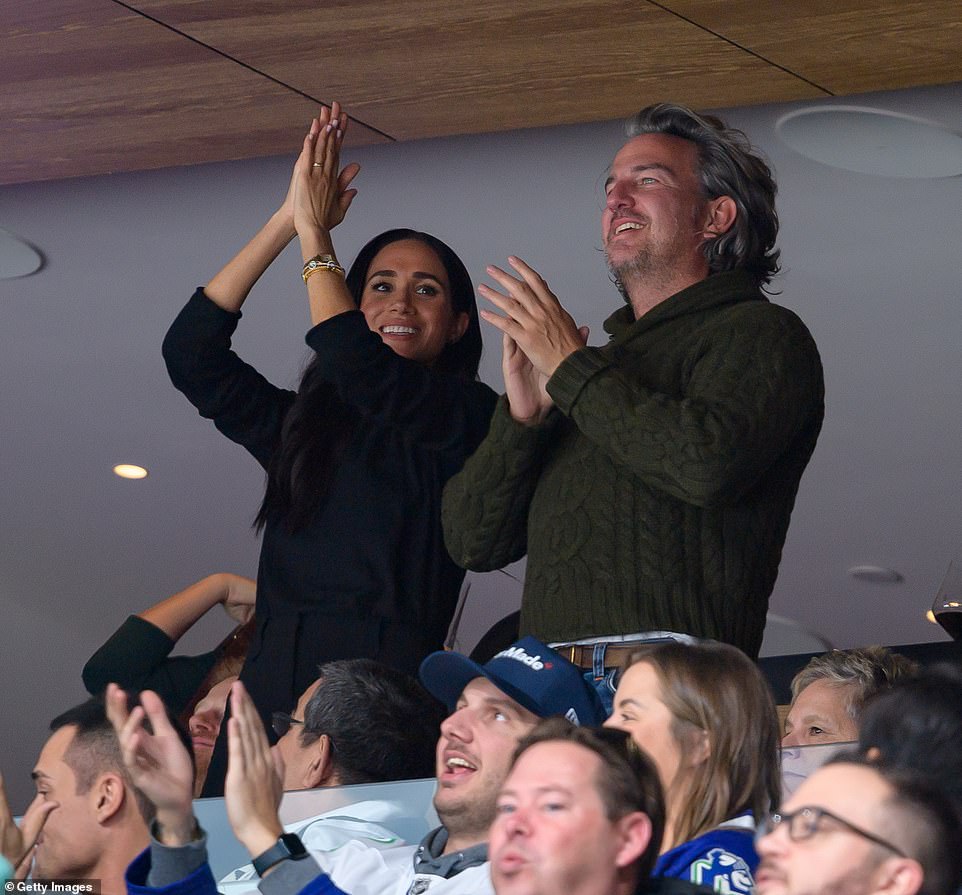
(438, 67)
(94, 86)
(845, 46)
(91, 88)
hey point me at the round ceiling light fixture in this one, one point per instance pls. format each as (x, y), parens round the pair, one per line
(876, 574)
(872, 141)
(130, 471)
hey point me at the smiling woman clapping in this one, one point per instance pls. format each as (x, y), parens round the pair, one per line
(352, 562)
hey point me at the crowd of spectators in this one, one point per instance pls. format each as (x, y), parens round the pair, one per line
(679, 791)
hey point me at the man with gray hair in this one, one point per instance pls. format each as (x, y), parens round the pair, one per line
(650, 481)
(359, 722)
(829, 692)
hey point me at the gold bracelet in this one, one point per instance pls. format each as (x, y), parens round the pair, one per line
(321, 262)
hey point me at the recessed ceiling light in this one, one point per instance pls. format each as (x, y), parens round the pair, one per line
(872, 141)
(129, 471)
(930, 615)
(876, 574)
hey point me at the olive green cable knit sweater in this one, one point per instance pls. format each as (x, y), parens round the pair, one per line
(657, 495)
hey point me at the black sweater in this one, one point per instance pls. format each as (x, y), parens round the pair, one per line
(369, 574)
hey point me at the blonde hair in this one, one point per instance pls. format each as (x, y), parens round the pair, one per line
(715, 690)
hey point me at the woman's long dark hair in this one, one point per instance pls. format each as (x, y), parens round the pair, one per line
(301, 467)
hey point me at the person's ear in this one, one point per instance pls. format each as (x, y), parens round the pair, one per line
(897, 876)
(108, 795)
(320, 771)
(719, 217)
(634, 836)
(459, 326)
(699, 748)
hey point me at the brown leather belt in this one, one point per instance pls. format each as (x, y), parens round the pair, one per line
(616, 654)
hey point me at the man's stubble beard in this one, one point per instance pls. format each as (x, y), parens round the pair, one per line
(853, 882)
(641, 268)
(471, 815)
(656, 263)
(201, 763)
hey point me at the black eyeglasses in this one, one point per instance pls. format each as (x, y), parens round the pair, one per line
(805, 823)
(281, 722)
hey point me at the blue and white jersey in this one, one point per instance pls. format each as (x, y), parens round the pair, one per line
(722, 859)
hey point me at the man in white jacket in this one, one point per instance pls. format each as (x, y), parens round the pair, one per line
(359, 722)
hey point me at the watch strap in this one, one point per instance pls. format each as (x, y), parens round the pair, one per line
(287, 847)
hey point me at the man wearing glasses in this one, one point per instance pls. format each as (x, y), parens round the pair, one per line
(359, 722)
(855, 828)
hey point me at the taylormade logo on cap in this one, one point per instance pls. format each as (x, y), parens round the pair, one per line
(528, 671)
(519, 655)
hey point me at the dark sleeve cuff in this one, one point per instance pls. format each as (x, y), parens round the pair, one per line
(510, 435)
(573, 374)
(201, 315)
(201, 305)
(113, 659)
(199, 322)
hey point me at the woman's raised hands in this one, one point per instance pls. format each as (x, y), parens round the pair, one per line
(319, 196)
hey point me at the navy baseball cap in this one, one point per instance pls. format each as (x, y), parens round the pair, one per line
(529, 671)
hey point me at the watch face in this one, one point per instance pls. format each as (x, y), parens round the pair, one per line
(292, 842)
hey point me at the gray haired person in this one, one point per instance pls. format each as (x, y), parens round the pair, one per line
(829, 692)
(650, 480)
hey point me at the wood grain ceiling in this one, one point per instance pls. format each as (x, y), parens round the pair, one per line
(98, 86)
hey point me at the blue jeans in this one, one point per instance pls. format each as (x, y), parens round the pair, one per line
(602, 677)
(604, 686)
